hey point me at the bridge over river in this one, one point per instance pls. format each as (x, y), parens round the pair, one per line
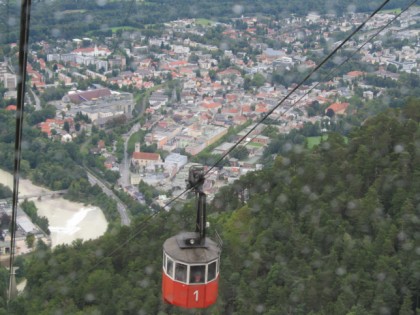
(40, 195)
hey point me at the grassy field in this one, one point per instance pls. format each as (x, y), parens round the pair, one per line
(124, 28)
(256, 145)
(394, 11)
(204, 22)
(73, 11)
(136, 137)
(313, 141)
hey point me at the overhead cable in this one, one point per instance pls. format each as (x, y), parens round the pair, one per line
(23, 58)
(329, 56)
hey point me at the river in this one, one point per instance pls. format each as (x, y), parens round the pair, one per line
(68, 220)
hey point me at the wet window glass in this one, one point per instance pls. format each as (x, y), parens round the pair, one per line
(181, 272)
(314, 195)
(169, 267)
(211, 272)
(197, 274)
(164, 260)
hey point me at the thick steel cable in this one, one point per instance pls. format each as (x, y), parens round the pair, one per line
(23, 58)
(301, 83)
(328, 76)
(150, 217)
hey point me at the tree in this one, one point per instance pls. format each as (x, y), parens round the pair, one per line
(212, 75)
(30, 240)
(330, 113)
(258, 80)
(392, 68)
(66, 126)
(240, 153)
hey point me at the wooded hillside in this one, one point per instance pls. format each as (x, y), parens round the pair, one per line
(332, 230)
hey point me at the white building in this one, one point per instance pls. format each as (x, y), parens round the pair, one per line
(175, 159)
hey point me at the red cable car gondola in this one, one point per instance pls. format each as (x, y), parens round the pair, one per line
(190, 273)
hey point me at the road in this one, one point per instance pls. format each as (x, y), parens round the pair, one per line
(37, 101)
(124, 180)
(122, 209)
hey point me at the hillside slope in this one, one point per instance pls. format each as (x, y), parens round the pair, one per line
(333, 230)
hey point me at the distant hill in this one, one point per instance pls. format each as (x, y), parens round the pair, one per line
(74, 18)
(328, 230)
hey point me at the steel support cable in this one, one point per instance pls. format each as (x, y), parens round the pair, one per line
(332, 53)
(150, 217)
(23, 58)
(330, 73)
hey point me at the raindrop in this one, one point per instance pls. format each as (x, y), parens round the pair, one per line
(255, 208)
(55, 32)
(282, 198)
(317, 263)
(326, 145)
(259, 308)
(383, 310)
(306, 189)
(306, 250)
(320, 175)
(351, 8)
(381, 276)
(401, 236)
(64, 290)
(193, 10)
(285, 161)
(298, 148)
(313, 196)
(89, 297)
(101, 3)
(11, 21)
(351, 205)
(340, 271)
(224, 46)
(89, 19)
(301, 68)
(398, 148)
(149, 270)
(256, 255)
(338, 59)
(237, 9)
(407, 246)
(58, 15)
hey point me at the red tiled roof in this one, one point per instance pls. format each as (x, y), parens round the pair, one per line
(246, 108)
(261, 108)
(11, 107)
(338, 108)
(88, 95)
(146, 156)
(211, 105)
(355, 73)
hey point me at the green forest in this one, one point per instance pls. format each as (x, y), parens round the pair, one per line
(71, 18)
(328, 230)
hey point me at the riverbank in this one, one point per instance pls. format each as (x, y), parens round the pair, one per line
(68, 220)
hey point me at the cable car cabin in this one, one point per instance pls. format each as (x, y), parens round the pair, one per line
(190, 274)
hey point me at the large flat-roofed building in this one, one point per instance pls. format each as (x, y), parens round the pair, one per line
(177, 160)
(10, 81)
(85, 96)
(105, 108)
